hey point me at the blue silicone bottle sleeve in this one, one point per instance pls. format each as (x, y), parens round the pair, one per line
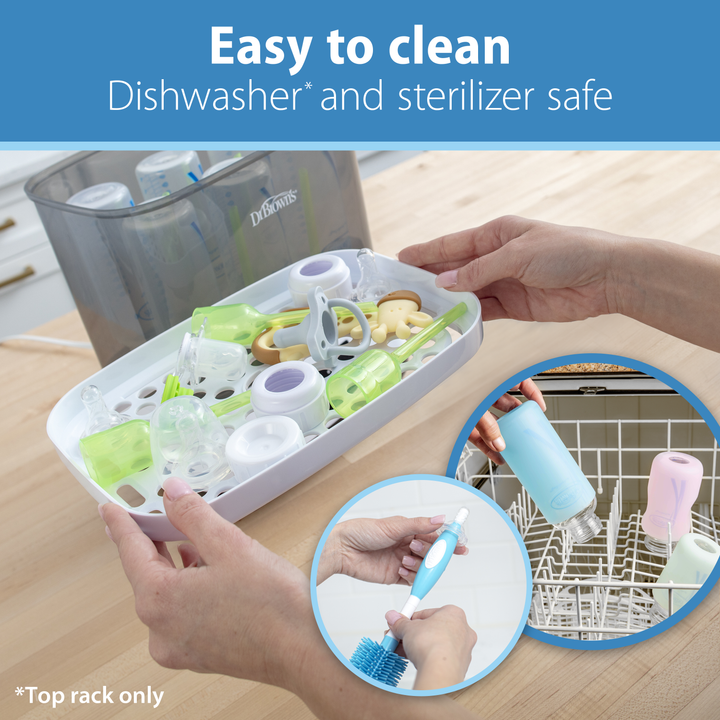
(537, 456)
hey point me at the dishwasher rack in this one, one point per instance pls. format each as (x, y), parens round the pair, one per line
(601, 589)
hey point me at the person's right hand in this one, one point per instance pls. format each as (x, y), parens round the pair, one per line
(526, 269)
(239, 609)
(234, 608)
(438, 642)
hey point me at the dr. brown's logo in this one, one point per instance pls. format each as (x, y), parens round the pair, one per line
(565, 498)
(272, 205)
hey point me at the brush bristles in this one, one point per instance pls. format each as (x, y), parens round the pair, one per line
(378, 663)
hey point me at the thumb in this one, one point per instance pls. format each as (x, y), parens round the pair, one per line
(482, 271)
(211, 534)
(490, 432)
(397, 622)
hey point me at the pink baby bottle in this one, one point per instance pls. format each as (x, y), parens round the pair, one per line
(673, 487)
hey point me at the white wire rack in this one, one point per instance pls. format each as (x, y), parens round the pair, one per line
(602, 589)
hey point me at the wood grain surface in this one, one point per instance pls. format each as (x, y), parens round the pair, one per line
(67, 618)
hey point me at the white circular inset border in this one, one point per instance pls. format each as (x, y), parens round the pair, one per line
(495, 521)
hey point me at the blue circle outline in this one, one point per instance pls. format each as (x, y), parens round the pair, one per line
(706, 415)
(408, 478)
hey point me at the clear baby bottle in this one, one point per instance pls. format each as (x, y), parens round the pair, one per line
(165, 172)
(171, 241)
(244, 194)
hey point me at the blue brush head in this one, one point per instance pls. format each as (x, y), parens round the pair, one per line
(378, 663)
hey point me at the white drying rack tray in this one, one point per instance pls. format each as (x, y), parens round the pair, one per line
(134, 383)
(601, 589)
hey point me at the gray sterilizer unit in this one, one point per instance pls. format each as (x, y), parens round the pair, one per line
(137, 271)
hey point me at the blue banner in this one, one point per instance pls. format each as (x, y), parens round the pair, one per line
(271, 73)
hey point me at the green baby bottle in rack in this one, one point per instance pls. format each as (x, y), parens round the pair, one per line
(242, 323)
(117, 453)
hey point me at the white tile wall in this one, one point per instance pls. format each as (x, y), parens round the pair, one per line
(489, 583)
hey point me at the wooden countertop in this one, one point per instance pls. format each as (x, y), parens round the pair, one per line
(67, 615)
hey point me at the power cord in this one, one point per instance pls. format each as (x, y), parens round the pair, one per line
(50, 340)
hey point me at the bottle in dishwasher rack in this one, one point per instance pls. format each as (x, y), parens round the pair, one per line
(547, 470)
(691, 562)
(673, 487)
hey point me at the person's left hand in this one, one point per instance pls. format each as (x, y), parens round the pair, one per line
(380, 551)
(486, 434)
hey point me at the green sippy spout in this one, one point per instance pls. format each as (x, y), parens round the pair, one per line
(243, 323)
(376, 371)
(174, 389)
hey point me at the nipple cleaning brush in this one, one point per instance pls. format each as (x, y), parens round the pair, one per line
(378, 660)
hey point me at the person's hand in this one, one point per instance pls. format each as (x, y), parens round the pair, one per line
(438, 642)
(486, 434)
(234, 608)
(525, 269)
(380, 551)
(237, 608)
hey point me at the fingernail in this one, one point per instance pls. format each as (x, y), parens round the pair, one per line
(174, 488)
(402, 571)
(447, 279)
(408, 561)
(499, 444)
(108, 533)
(100, 511)
(437, 520)
(416, 545)
(392, 616)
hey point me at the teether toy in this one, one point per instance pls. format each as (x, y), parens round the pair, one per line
(396, 312)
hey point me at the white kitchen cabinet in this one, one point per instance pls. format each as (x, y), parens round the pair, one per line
(32, 287)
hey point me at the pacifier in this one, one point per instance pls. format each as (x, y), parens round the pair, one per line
(319, 330)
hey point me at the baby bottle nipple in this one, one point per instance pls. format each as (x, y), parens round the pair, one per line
(201, 357)
(456, 526)
(188, 441)
(372, 285)
(100, 416)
